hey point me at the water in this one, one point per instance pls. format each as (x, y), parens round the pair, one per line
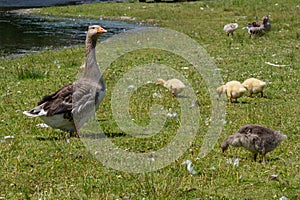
(39, 3)
(24, 33)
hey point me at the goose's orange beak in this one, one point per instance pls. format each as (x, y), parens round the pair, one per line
(101, 30)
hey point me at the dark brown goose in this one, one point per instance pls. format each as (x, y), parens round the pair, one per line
(255, 138)
(72, 105)
(258, 28)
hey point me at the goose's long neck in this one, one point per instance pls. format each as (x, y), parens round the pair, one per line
(92, 71)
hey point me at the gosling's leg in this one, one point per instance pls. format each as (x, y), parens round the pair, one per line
(263, 153)
(255, 156)
(250, 94)
(264, 158)
(262, 94)
(174, 92)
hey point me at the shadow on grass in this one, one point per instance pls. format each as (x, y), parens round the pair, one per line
(51, 138)
(97, 135)
(250, 158)
(88, 135)
(239, 102)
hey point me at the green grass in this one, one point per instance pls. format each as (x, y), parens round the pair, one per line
(39, 164)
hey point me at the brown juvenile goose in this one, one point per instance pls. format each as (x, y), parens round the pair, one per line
(255, 138)
(72, 105)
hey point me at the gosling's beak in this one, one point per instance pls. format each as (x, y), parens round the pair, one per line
(101, 30)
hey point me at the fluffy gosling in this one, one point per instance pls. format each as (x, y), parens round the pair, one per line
(255, 138)
(254, 86)
(230, 28)
(174, 85)
(233, 90)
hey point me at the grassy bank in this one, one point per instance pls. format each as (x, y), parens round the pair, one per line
(39, 164)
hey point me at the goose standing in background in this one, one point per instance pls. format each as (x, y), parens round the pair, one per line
(230, 28)
(258, 28)
(255, 138)
(74, 104)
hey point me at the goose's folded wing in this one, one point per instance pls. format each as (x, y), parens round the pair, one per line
(59, 102)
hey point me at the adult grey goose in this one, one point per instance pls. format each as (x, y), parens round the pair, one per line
(255, 138)
(72, 105)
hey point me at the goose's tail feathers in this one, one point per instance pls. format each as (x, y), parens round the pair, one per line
(35, 112)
